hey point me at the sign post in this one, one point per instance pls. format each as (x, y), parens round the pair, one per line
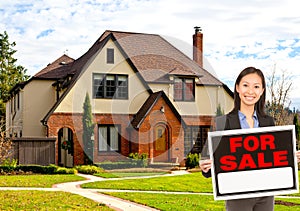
(253, 162)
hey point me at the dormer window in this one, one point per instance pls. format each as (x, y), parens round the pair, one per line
(110, 56)
(184, 89)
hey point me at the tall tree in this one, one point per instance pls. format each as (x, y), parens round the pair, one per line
(10, 73)
(88, 130)
(219, 111)
(279, 87)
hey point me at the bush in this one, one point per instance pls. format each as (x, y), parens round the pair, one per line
(88, 169)
(135, 160)
(38, 169)
(63, 170)
(8, 165)
(117, 165)
(192, 161)
(140, 159)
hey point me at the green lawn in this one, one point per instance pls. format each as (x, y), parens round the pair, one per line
(42, 200)
(184, 202)
(128, 174)
(42, 181)
(194, 182)
(173, 202)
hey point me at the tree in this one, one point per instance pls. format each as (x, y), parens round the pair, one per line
(10, 73)
(88, 130)
(279, 88)
(5, 144)
(297, 128)
(219, 111)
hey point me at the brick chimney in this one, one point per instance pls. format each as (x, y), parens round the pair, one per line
(198, 46)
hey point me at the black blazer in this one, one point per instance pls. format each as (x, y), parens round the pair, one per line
(231, 121)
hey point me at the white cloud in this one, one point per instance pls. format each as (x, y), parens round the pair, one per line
(266, 30)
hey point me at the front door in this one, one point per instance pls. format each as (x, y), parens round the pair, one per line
(161, 144)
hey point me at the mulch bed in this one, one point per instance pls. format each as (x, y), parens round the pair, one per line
(285, 203)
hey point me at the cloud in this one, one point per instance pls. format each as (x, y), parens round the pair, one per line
(236, 33)
(44, 33)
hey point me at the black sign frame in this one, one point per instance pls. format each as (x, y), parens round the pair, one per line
(250, 163)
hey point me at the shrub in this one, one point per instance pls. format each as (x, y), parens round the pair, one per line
(140, 159)
(88, 169)
(63, 170)
(117, 165)
(38, 169)
(192, 161)
(8, 165)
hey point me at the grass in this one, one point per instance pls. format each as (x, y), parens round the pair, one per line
(194, 182)
(191, 202)
(128, 174)
(41, 200)
(43, 181)
(173, 202)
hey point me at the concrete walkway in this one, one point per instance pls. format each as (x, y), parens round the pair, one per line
(110, 201)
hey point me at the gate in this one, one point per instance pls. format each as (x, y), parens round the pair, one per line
(40, 151)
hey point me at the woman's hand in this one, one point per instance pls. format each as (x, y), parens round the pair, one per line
(205, 165)
(298, 156)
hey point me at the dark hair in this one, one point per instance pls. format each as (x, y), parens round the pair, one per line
(260, 105)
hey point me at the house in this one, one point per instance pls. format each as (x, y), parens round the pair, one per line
(146, 97)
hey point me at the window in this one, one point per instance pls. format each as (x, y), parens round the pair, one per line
(109, 138)
(195, 138)
(110, 58)
(184, 89)
(110, 86)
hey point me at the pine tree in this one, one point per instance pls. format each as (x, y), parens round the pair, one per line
(219, 111)
(10, 73)
(88, 130)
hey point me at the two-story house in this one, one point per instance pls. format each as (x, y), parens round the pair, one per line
(146, 97)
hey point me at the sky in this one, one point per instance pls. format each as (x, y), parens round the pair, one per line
(237, 34)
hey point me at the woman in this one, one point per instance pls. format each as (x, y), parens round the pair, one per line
(248, 112)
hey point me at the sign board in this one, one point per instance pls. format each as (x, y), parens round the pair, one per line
(253, 162)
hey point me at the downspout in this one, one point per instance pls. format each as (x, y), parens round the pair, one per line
(44, 122)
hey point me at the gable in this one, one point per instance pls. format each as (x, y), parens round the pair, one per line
(148, 106)
(137, 91)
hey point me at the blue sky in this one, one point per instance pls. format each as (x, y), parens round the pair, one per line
(260, 33)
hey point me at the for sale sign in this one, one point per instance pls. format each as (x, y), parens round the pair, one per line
(253, 162)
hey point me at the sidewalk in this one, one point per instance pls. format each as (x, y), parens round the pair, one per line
(110, 201)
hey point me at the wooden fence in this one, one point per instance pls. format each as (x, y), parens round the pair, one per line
(40, 151)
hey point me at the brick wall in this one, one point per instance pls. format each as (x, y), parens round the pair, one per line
(141, 140)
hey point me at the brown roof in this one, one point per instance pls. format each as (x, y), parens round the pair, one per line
(154, 57)
(57, 69)
(151, 55)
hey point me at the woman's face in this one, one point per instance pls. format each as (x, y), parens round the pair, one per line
(250, 89)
